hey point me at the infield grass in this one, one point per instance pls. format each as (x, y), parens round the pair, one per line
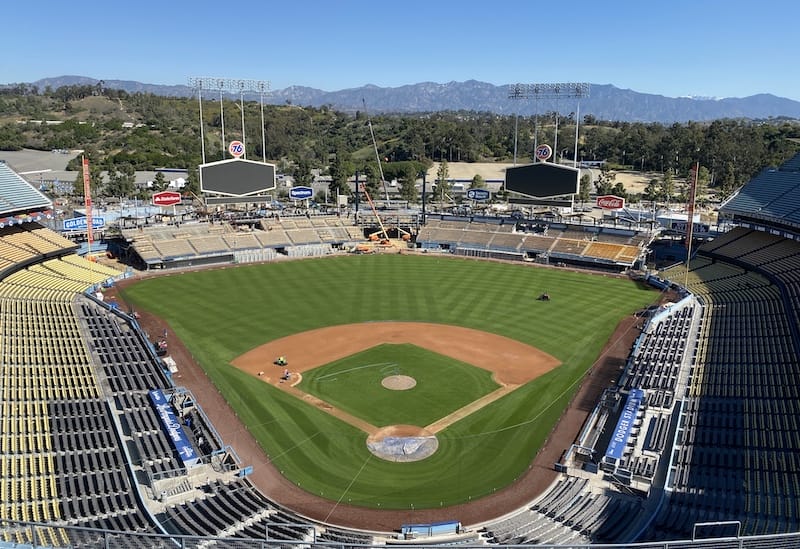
(223, 313)
(354, 384)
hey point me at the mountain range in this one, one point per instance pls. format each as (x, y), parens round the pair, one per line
(605, 101)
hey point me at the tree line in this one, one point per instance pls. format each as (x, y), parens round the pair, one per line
(123, 132)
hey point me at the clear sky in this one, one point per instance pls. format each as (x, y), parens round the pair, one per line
(715, 48)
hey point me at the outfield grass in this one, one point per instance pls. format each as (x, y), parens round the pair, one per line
(223, 313)
(354, 384)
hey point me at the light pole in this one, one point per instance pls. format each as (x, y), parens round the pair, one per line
(231, 85)
(575, 90)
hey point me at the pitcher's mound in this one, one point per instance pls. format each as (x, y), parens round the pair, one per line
(402, 443)
(399, 383)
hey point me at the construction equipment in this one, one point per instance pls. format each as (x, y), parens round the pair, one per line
(384, 239)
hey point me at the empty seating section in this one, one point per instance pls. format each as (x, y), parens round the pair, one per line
(233, 509)
(317, 235)
(170, 249)
(209, 245)
(60, 458)
(19, 245)
(241, 241)
(128, 368)
(92, 481)
(17, 194)
(655, 363)
(54, 279)
(275, 236)
(304, 236)
(739, 436)
(563, 243)
(569, 246)
(569, 512)
(56, 435)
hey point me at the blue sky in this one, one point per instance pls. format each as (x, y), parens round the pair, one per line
(711, 48)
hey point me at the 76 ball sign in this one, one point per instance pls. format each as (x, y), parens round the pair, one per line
(543, 152)
(236, 148)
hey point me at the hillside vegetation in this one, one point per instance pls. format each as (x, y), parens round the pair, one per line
(122, 132)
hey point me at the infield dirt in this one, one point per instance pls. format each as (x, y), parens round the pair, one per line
(512, 363)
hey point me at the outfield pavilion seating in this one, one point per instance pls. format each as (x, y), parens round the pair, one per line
(190, 244)
(174, 249)
(241, 240)
(562, 243)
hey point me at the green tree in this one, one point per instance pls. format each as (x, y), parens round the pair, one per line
(442, 180)
(585, 189)
(193, 182)
(121, 182)
(478, 182)
(302, 172)
(667, 187)
(160, 182)
(340, 169)
(652, 191)
(605, 181)
(95, 178)
(619, 190)
(372, 179)
(408, 183)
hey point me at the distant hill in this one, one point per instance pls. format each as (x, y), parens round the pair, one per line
(606, 102)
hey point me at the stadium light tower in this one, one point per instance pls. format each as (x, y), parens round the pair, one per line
(232, 86)
(556, 91)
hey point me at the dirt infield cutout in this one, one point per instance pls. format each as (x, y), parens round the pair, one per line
(511, 362)
(402, 443)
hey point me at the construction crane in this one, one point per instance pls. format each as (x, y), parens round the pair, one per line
(385, 239)
(375, 147)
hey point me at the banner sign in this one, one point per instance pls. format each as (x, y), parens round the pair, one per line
(625, 424)
(80, 223)
(173, 428)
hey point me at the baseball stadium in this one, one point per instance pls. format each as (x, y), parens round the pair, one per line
(296, 381)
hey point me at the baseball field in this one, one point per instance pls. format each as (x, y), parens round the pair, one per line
(390, 347)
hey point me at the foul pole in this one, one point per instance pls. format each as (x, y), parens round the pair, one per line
(690, 218)
(87, 202)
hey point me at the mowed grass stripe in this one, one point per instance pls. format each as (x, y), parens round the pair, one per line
(223, 313)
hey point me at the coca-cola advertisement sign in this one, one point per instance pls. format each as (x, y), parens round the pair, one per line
(610, 202)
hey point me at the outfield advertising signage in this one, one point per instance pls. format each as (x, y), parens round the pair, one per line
(478, 194)
(79, 223)
(300, 193)
(610, 202)
(166, 198)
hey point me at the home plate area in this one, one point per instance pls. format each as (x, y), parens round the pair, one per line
(402, 443)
